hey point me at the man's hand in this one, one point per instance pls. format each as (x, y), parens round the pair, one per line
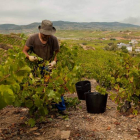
(52, 64)
(33, 58)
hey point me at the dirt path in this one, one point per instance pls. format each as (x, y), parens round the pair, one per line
(79, 125)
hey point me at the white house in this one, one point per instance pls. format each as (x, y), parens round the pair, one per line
(123, 44)
(137, 49)
(128, 47)
(133, 41)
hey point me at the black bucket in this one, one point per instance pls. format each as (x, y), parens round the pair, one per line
(96, 102)
(81, 88)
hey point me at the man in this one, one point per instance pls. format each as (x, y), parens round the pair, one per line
(45, 45)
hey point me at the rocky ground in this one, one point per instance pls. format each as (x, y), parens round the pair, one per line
(78, 125)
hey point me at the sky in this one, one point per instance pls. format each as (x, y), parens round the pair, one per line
(28, 11)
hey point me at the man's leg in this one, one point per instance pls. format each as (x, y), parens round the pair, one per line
(61, 106)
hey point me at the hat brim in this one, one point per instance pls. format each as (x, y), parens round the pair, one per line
(47, 32)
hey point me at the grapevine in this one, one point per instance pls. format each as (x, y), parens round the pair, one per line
(26, 87)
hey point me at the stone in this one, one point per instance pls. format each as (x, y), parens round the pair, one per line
(119, 136)
(119, 129)
(133, 131)
(33, 129)
(37, 134)
(21, 132)
(65, 134)
(134, 119)
(116, 123)
(93, 117)
(13, 134)
(114, 120)
(57, 133)
(131, 116)
(108, 128)
(24, 109)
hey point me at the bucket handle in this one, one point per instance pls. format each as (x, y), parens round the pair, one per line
(87, 84)
(79, 87)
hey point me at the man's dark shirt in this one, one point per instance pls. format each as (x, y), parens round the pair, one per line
(44, 51)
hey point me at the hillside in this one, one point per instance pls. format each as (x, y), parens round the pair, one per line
(65, 25)
(97, 65)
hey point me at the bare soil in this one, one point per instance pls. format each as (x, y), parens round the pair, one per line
(87, 47)
(5, 46)
(79, 125)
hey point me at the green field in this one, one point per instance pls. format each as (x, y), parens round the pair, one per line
(84, 52)
(95, 34)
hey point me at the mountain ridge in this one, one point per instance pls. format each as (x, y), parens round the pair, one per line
(66, 25)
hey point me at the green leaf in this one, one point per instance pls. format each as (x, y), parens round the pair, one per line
(25, 68)
(116, 87)
(29, 103)
(43, 111)
(15, 87)
(118, 79)
(17, 103)
(127, 66)
(51, 94)
(135, 112)
(38, 102)
(31, 122)
(113, 96)
(19, 78)
(8, 96)
(2, 102)
(131, 79)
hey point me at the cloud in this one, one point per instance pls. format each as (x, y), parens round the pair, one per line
(132, 20)
(28, 11)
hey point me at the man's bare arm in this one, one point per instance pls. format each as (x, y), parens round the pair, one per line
(25, 51)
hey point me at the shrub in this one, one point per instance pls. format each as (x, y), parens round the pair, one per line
(123, 48)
